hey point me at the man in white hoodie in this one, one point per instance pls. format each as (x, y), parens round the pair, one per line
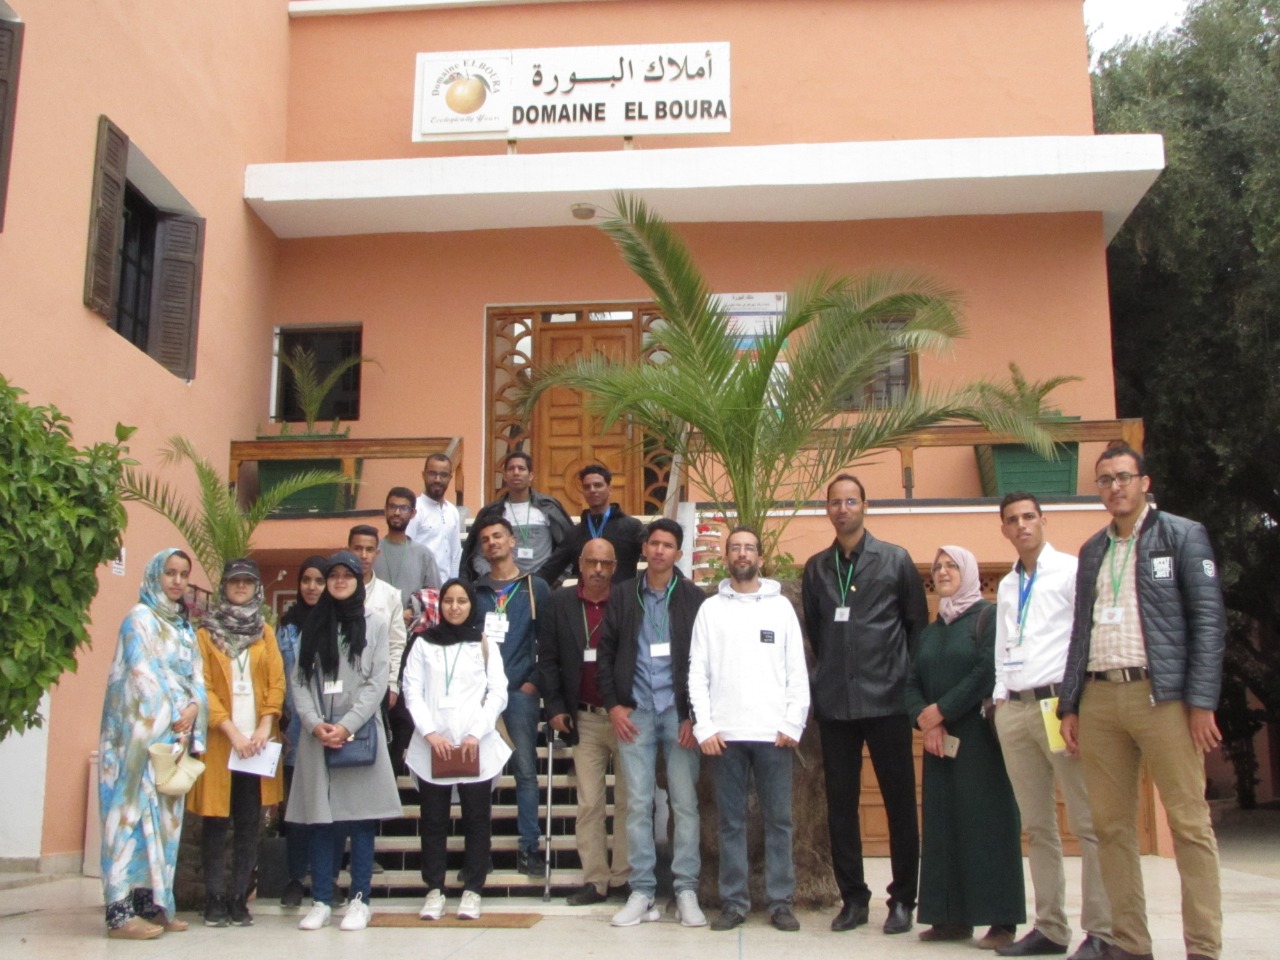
(749, 691)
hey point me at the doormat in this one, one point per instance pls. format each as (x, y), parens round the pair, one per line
(512, 921)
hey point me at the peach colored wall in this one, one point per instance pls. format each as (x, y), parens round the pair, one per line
(803, 71)
(1034, 291)
(201, 100)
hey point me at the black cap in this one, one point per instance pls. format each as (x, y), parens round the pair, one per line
(242, 567)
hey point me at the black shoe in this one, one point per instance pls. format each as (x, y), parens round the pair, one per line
(784, 919)
(293, 894)
(531, 863)
(899, 918)
(1034, 944)
(239, 913)
(851, 915)
(378, 868)
(584, 897)
(943, 932)
(1093, 948)
(1114, 952)
(728, 919)
(621, 892)
(215, 913)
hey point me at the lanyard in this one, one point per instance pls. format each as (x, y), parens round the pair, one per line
(845, 582)
(1025, 586)
(666, 607)
(522, 529)
(597, 531)
(450, 670)
(501, 599)
(242, 661)
(1118, 577)
(589, 631)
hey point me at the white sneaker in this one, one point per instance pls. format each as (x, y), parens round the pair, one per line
(638, 909)
(317, 917)
(688, 911)
(357, 915)
(433, 906)
(469, 908)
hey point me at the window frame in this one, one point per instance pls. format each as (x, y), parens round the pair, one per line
(868, 399)
(12, 30)
(279, 373)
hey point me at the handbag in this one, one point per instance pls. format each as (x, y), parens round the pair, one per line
(361, 748)
(173, 769)
(455, 766)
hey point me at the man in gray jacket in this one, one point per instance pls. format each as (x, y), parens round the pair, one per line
(1144, 672)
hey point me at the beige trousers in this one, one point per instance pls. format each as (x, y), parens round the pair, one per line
(1032, 769)
(1119, 730)
(596, 745)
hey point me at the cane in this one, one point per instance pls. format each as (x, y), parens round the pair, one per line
(551, 757)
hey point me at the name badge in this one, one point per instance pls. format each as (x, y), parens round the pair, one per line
(332, 687)
(660, 650)
(524, 553)
(588, 656)
(496, 627)
(766, 636)
(842, 614)
(1113, 615)
(241, 687)
(447, 703)
(1012, 657)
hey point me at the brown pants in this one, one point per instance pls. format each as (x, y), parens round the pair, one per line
(1119, 729)
(596, 744)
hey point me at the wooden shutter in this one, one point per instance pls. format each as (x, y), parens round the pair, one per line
(10, 57)
(175, 293)
(102, 269)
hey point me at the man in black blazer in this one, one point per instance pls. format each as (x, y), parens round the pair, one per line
(568, 638)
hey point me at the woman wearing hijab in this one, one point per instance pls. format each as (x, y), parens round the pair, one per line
(338, 684)
(971, 851)
(297, 842)
(244, 678)
(155, 694)
(455, 689)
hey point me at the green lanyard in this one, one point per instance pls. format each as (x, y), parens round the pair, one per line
(242, 661)
(846, 582)
(1117, 578)
(522, 529)
(500, 600)
(666, 607)
(585, 629)
(450, 670)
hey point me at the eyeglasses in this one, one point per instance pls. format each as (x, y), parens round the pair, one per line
(399, 508)
(835, 502)
(743, 548)
(1119, 480)
(597, 563)
(945, 565)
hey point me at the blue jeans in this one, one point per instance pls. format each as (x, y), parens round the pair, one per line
(326, 856)
(772, 766)
(639, 767)
(521, 718)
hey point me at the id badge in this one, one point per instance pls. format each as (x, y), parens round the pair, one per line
(495, 627)
(524, 553)
(588, 656)
(1012, 657)
(241, 687)
(447, 702)
(660, 650)
(1113, 615)
(332, 687)
(842, 614)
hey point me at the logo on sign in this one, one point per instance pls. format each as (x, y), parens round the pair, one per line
(1162, 568)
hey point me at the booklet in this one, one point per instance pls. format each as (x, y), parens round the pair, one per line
(262, 765)
(1052, 725)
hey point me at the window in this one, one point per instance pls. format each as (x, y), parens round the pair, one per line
(10, 57)
(331, 347)
(146, 250)
(890, 385)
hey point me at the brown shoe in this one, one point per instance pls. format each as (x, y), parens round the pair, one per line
(135, 928)
(940, 932)
(995, 937)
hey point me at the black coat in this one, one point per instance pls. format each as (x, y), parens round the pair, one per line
(561, 537)
(627, 534)
(561, 640)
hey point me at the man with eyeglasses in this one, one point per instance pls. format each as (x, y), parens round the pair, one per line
(749, 691)
(1143, 678)
(864, 609)
(406, 565)
(436, 523)
(568, 641)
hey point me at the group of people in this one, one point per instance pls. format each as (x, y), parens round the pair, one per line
(1120, 652)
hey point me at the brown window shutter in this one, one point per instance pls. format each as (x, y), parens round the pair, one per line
(102, 270)
(10, 58)
(175, 293)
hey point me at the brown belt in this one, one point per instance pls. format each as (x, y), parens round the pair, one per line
(1120, 675)
(1039, 693)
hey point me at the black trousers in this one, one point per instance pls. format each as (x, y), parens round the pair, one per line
(889, 741)
(246, 815)
(477, 804)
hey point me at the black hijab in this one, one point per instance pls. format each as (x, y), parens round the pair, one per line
(296, 615)
(331, 621)
(446, 634)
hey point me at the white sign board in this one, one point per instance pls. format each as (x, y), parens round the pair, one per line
(622, 91)
(751, 315)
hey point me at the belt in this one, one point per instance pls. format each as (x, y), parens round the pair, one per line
(592, 708)
(1120, 674)
(1039, 693)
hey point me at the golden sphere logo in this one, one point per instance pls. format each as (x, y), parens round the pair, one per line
(465, 94)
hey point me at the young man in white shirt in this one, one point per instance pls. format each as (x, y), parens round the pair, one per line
(436, 523)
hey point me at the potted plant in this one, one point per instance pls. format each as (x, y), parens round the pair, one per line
(311, 390)
(1005, 467)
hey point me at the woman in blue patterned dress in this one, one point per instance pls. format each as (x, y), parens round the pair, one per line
(155, 694)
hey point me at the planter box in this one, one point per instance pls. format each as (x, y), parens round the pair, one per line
(330, 498)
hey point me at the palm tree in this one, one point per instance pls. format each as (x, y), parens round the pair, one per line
(759, 428)
(220, 529)
(310, 388)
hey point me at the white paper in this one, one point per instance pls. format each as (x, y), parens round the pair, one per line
(262, 765)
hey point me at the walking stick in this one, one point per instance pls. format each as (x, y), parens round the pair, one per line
(551, 756)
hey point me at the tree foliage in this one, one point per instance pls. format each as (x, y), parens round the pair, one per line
(62, 518)
(1195, 298)
(767, 426)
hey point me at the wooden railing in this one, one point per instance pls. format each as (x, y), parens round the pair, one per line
(971, 434)
(348, 451)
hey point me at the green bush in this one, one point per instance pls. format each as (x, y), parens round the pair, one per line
(62, 518)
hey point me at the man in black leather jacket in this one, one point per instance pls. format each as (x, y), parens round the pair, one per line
(1144, 671)
(864, 608)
